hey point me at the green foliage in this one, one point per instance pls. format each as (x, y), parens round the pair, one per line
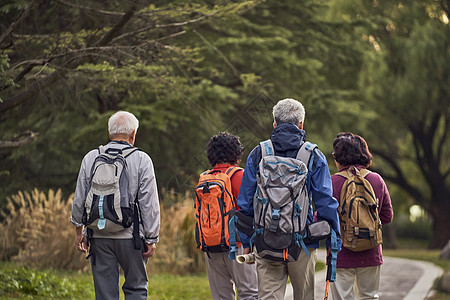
(40, 284)
(5, 81)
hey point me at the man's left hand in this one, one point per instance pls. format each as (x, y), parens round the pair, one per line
(149, 250)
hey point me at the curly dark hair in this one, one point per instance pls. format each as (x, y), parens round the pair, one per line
(224, 148)
(351, 149)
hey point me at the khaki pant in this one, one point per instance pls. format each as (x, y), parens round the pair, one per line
(357, 283)
(272, 277)
(223, 272)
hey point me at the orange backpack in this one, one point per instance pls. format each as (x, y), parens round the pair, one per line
(214, 205)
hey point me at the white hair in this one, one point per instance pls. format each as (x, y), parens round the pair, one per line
(288, 111)
(122, 123)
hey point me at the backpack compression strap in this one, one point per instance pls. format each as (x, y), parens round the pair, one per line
(332, 258)
(232, 233)
(233, 220)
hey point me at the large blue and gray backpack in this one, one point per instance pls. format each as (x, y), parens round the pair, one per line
(281, 203)
(109, 206)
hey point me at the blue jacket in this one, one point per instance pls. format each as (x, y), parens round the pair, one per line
(287, 140)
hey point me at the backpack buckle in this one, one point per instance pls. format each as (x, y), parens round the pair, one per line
(275, 214)
(275, 220)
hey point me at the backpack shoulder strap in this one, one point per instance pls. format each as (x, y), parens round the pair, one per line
(348, 173)
(205, 172)
(305, 153)
(101, 149)
(231, 170)
(343, 174)
(364, 172)
(267, 148)
(129, 150)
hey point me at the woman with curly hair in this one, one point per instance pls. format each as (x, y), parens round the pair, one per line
(224, 151)
(358, 273)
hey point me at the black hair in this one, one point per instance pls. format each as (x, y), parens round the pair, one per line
(351, 149)
(224, 148)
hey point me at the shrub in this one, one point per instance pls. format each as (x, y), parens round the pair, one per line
(420, 229)
(37, 231)
(36, 284)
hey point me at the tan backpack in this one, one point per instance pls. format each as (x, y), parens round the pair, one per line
(358, 212)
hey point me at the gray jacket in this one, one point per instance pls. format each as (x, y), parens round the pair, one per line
(141, 178)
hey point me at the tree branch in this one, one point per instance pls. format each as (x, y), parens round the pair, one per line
(98, 11)
(229, 64)
(131, 33)
(14, 24)
(113, 32)
(56, 75)
(417, 134)
(25, 138)
(443, 137)
(105, 12)
(399, 178)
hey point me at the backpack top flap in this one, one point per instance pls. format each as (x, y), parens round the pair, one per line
(108, 168)
(357, 185)
(279, 176)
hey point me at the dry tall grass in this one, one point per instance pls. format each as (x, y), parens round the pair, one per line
(37, 231)
(177, 250)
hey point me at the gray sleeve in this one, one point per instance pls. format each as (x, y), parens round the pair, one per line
(80, 194)
(148, 200)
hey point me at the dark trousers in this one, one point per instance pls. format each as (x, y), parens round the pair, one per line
(109, 255)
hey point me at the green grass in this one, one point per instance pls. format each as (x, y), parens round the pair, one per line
(174, 287)
(18, 282)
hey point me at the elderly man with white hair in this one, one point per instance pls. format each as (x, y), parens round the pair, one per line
(130, 244)
(288, 136)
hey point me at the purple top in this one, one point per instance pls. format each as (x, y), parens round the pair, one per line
(372, 257)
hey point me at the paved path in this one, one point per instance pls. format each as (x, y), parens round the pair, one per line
(400, 279)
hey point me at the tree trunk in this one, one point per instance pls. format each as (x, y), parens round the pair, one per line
(440, 212)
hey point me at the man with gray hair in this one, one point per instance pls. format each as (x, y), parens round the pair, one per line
(286, 140)
(124, 236)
